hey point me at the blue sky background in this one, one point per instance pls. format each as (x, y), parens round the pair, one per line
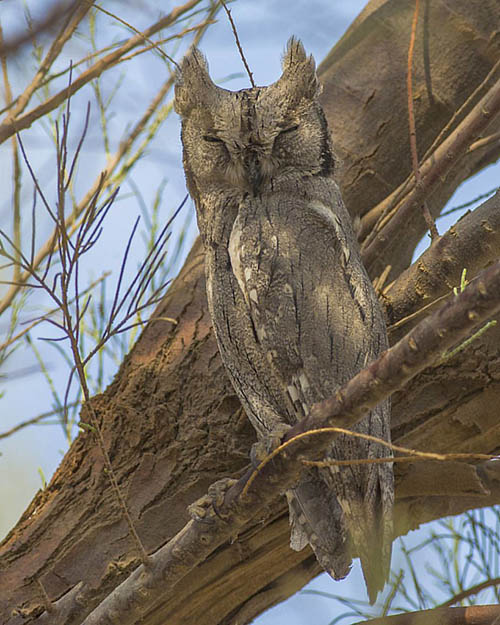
(264, 27)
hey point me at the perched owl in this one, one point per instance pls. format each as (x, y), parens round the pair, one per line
(293, 310)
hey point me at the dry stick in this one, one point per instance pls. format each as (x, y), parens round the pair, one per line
(434, 168)
(57, 45)
(470, 615)
(69, 255)
(411, 121)
(197, 540)
(387, 205)
(111, 165)
(57, 12)
(16, 200)
(49, 314)
(473, 590)
(138, 32)
(473, 243)
(485, 141)
(415, 454)
(8, 129)
(93, 55)
(47, 603)
(34, 420)
(468, 102)
(240, 49)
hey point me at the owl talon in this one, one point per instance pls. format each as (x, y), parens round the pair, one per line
(207, 507)
(261, 450)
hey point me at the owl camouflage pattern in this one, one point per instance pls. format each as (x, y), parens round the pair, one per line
(294, 312)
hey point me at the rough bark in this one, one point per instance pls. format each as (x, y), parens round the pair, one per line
(171, 421)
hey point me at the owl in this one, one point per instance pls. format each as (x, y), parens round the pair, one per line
(293, 310)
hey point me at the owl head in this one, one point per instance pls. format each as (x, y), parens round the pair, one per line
(254, 140)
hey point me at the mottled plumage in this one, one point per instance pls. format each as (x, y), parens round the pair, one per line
(294, 312)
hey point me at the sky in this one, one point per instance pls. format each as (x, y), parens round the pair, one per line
(264, 26)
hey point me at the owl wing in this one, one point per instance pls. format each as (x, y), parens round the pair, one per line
(316, 318)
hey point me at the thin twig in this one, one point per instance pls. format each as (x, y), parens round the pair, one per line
(432, 170)
(51, 312)
(411, 120)
(47, 603)
(468, 592)
(67, 30)
(107, 180)
(35, 420)
(7, 129)
(240, 49)
(138, 32)
(387, 209)
(15, 163)
(58, 12)
(414, 453)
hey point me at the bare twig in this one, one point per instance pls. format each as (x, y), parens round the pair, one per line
(59, 11)
(411, 121)
(471, 615)
(65, 33)
(374, 220)
(390, 372)
(138, 32)
(47, 603)
(460, 207)
(34, 420)
(446, 155)
(8, 128)
(485, 141)
(473, 243)
(485, 84)
(473, 590)
(236, 38)
(69, 255)
(15, 163)
(105, 181)
(414, 456)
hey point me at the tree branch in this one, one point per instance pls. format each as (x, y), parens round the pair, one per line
(8, 128)
(392, 218)
(471, 615)
(200, 537)
(472, 243)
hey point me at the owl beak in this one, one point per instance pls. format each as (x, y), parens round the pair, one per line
(253, 170)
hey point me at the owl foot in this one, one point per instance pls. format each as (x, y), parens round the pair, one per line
(207, 507)
(261, 449)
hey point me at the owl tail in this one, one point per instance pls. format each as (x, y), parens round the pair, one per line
(334, 532)
(316, 518)
(370, 528)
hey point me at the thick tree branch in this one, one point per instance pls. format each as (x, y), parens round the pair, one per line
(445, 156)
(171, 418)
(472, 243)
(471, 615)
(257, 489)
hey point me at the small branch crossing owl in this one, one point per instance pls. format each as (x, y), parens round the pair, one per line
(293, 310)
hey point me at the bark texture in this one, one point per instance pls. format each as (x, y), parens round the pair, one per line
(171, 421)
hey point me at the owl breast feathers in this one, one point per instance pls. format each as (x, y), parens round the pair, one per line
(293, 310)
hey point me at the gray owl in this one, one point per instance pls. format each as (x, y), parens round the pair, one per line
(293, 310)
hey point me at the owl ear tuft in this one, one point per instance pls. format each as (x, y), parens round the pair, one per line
(299, 72)
(193, 85)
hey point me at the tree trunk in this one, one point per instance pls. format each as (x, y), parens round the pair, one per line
(171, 421)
